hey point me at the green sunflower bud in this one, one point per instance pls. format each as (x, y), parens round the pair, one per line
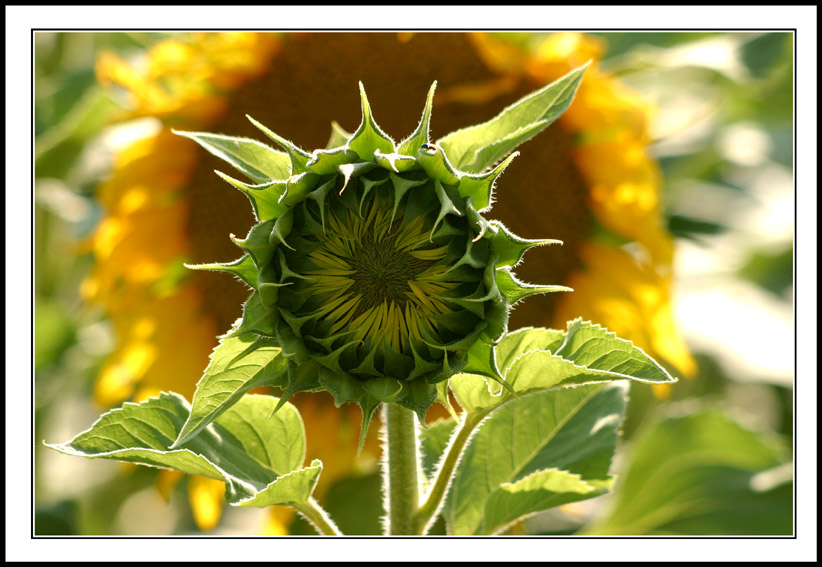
(372, 266)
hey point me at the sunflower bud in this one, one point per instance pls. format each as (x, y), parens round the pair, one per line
(372, 265)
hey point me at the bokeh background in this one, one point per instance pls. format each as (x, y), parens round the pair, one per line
(712, 456)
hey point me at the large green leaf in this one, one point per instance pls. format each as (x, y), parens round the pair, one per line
(477, 147)
(539, 359)
(534, 452)
(697, 472)
(238, 364)
(257, 455)
(254, 159)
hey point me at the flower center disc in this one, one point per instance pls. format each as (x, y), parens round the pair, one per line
(381, 272)
(376, 278)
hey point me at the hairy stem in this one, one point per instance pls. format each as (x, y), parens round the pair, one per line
(318, 517)
(401, 469)
(434, 498)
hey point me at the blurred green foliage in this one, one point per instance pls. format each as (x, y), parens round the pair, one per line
(695, 471)
(70, 110)
(773, 271)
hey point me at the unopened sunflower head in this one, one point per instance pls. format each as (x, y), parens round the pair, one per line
(371, 263)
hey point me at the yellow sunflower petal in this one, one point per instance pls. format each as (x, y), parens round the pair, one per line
(167, 479)
(278, 520)
(207, 497)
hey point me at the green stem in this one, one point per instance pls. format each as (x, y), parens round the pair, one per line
(317, 515)
(401, 469)
(436, 495)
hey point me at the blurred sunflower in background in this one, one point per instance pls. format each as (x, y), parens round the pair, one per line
(588, 180)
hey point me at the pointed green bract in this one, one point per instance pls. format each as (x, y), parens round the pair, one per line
(265, 198)
(509, 247)
(480, 188)
(374, 271)
(244, 268)
(369, 137)
(516, 290)
(299, 158)
(411, 145)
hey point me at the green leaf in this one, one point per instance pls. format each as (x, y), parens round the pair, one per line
(535, 360)
(527, 339)
(502, 474)
(433, 441)
(256, 454)
(293, 488)
(477, 147)
(254, 159)
(694, 471)
(238, 364)
(535, 493)
(592, 346)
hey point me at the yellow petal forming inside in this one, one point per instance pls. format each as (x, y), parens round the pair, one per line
(165, 326)
(393, 320)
